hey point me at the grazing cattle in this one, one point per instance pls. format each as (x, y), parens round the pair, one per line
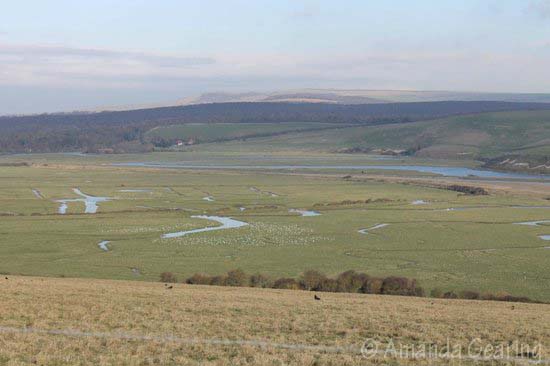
(316, 297)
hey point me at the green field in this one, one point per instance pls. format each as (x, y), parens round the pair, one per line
(206, 132)
(477, 248)
(470, 137)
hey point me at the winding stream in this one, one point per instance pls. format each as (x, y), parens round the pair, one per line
(90, 202)
(37, 193)
(419, 202)
(366, 231)
(226, 223)
(305, 213)
(533, 223)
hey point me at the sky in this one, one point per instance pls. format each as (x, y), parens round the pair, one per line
(63, 55)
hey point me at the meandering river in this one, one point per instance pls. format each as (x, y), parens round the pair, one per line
(226, 223)
(459, 172)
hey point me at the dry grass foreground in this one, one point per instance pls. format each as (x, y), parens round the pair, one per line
(49, 321)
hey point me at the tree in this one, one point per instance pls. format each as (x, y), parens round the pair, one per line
(260, 280)
(311, 280)
(199, 279)
(287, 284)
(351, 281)
(236, 277)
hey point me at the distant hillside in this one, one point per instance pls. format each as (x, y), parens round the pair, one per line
(123, 131)
(336, 96)
(305, 96)
(512, 140)
(361, 96)
(194, 133)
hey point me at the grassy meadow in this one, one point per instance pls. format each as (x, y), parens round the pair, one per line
(48, 321)
(467, 137)
(214, 131)
(452, 242)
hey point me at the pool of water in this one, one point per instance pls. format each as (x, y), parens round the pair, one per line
(103, 245)
(419, 202)
(90, 202)
(226, 223)
(533, 223)
(305, 213)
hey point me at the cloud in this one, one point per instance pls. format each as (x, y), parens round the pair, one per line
(54, 65)
(540, 8)
(59, 53)
(47, 66)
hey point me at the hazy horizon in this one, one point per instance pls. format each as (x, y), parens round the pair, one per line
(65, 56)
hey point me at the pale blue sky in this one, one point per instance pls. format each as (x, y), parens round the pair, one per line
(63, 55)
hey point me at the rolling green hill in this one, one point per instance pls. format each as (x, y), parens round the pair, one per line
(123, 131)
(522, 137)
(209, 132)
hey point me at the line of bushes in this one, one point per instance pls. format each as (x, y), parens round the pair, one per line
(348, 282)
(311, 280)
(471, 190)
(475, 295)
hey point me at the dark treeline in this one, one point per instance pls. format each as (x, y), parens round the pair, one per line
(348, 282)
(474, 191)
(124, 130)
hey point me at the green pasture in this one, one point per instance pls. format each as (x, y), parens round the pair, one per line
(466, 137)
(215, 131)
(478, 247)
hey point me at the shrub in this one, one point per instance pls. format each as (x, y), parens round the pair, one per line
(398, 286)
(419, 291)
(260, 280)
(470, 295)
(351, 281)
(311, 280)
(450, 295)
(437, 293)
(513, 298)
(328, 285)
(504, 296)
(488, 296)
(476, 191)
(199, 279)
(287, 284)
(168, 277)
(373, 285)
(236, 277)
(217, 281)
